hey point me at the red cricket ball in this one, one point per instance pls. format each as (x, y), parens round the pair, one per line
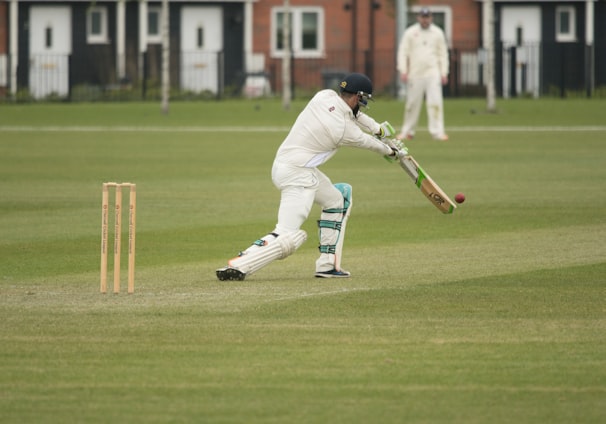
(459, 198)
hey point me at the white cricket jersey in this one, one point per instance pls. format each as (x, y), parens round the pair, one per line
(326, 124)
(423, 53)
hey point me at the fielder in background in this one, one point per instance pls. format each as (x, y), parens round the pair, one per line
(329, 121)
(423, 66)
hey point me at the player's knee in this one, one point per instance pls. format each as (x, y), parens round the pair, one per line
(290, 242)
(340, 203)
(346, 192)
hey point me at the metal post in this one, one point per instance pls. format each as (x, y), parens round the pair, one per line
(165, 56)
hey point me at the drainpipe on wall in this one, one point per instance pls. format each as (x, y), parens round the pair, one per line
(354, 45)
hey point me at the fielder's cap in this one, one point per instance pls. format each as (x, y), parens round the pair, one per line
(425, 11)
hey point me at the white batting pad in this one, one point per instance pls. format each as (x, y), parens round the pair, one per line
(283, 246)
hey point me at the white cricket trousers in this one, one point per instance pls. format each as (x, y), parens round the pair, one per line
(430, 90)
(300, 189)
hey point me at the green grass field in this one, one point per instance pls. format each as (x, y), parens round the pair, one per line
(495, 314)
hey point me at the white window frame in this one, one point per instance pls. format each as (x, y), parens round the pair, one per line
(297, 32)
(154, 38)
(571, 35)
(101, 37)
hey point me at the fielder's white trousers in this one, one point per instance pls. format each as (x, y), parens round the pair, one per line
(300, 188)
(430, 90)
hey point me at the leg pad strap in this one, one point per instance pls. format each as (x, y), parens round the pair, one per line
(335, 225)
(328, 248)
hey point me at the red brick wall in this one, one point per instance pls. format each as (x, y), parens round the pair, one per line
(338, 39)
(338, 23)
(466, 18)
(3, 27)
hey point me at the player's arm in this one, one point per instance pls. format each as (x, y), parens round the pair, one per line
(398, 150)
(353, 136)
(369, 125)
(402, 55)
(443, 57)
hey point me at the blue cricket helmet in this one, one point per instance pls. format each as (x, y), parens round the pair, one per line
(358, 84)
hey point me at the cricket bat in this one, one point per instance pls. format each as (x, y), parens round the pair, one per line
(428, 187)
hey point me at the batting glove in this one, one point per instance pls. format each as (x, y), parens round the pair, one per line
(398, 144)
(387, 131)
(398, 150)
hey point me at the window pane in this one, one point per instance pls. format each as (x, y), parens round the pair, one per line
(279, 33)
(564, 22)
(519, 36)
(95, 23)
(200, 37)
(48, 36)
(310, 31)
(153, 23)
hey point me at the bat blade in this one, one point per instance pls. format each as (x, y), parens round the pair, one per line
(428, 187)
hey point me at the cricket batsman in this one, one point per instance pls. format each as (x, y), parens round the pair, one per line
(329, 121)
